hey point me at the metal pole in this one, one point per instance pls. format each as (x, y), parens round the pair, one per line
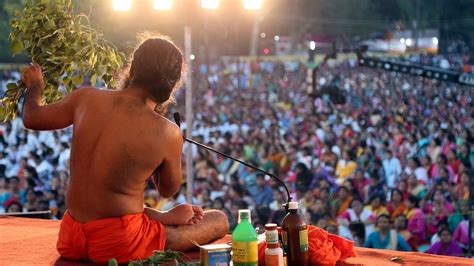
(254, 37)
(188, 113)
(417, 24)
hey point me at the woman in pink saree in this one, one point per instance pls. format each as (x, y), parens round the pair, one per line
(416, 220)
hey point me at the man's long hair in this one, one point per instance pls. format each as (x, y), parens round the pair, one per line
(156, 65)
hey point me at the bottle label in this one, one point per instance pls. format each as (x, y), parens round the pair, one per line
(271, 236)
(304, 240)
(245, 252)
(284, 239)
(272, 260)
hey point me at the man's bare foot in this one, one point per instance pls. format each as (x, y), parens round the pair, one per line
(183, 214)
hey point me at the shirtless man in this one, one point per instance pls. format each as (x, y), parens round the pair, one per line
(119, 141)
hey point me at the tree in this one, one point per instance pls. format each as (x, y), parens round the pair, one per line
(65, 45)
(7, 8)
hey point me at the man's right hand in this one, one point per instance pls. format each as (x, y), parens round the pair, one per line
(33, 78)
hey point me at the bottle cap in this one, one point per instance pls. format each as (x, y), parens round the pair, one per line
(244, 214)
(271, 233)
(271, 227)
(293, 205)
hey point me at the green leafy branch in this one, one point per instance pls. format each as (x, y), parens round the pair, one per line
(65, 45)
(164, 258)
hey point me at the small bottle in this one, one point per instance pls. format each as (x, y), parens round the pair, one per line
(295, 236)
(244, 242)
(273, 252)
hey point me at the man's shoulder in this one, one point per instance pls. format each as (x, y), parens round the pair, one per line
(167, 126)
(85, 92)
(168, 131)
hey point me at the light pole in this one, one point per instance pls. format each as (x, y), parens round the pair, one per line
(126, 5)
(189, 112)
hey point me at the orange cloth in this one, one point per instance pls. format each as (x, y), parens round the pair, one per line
(324, 248)
(395, 212)
(130, 237)
(342, 208)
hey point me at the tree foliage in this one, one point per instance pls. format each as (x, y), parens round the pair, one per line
(65, 45)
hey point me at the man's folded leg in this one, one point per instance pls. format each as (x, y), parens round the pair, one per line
(212, 227)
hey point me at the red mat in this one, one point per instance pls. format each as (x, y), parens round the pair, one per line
(33, 242)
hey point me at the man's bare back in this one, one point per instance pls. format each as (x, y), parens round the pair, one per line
(118, 142)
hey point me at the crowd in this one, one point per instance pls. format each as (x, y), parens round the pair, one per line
(388, 169)
(454, 61)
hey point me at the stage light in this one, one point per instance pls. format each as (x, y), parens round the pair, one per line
(435, 41)
(402, 40)
(192, 57)
(210, 4)
(312, 45)
(266, 51)
(262, 35)
(162, 4)
(408, 42)
(253, 4)
(276, 38)
(122, 5)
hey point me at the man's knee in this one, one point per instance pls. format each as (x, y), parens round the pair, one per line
(220, 219)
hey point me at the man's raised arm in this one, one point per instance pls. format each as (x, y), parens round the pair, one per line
(45, 117)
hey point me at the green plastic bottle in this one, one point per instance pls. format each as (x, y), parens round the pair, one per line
(244, 242)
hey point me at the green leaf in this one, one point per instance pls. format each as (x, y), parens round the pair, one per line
(50, 24)
(2, 113)
(16, 47)
(77, 80)
(12, 86)
(93, 80)
(68, 88)
(66, 80)
(113, 262)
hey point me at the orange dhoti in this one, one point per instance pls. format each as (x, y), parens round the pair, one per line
(130, 237)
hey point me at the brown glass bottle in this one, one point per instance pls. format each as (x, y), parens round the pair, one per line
(295, 236)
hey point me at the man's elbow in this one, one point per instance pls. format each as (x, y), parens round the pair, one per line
(168, 191)
(167, 194)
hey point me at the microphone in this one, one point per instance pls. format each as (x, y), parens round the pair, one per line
(177, 120)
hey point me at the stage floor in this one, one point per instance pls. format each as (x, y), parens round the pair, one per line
(33, 242)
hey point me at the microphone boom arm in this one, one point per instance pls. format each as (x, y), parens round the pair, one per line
(178, 120)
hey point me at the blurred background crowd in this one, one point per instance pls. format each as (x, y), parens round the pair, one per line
(395, 158)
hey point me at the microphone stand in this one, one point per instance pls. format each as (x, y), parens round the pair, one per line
(177, 119)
